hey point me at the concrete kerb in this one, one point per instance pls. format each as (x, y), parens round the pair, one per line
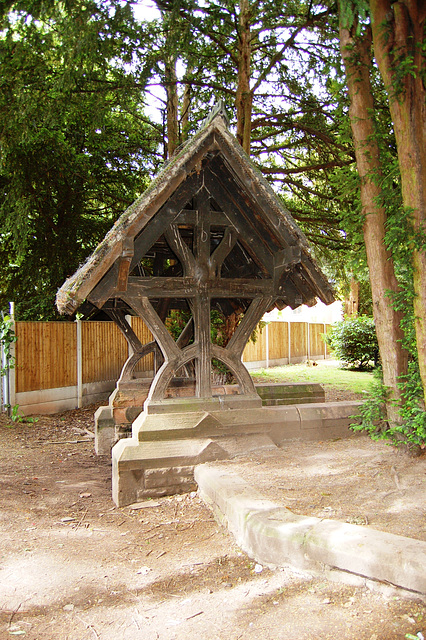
(273, 535)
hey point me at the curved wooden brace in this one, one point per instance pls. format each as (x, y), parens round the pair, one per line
(225, 247)
(181, 249)
(146, 311)
(247, 325)
(167, 371)
(235, 365)
(131, 362)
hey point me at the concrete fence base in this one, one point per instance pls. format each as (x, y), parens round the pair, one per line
(48, 401)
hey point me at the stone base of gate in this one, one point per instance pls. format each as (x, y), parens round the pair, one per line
(126, 402)
(171, 437)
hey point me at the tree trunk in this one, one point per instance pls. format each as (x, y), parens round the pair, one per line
(186, 103)
(356, 52)
(172, 105)
(352, 303)
(244, 95)
(398, 35)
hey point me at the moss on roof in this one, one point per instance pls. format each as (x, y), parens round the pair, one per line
(76, 288)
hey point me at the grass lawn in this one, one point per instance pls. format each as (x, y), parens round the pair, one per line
(328, 373)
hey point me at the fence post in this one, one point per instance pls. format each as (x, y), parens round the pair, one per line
(325, 343)
(4, 381)
(79, 364)
(12, 371)
(267, 345)
(9, 380)
(308, 341)
(289, 342)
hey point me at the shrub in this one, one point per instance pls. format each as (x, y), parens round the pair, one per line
(354, 342)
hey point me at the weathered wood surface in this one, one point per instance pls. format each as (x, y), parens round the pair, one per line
(104, 350)
(209, 233)
(46, 355)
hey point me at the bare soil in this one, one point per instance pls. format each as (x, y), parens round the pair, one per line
(353, 480)
(75, 567)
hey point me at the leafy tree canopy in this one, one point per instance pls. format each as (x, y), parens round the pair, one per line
(75, 146)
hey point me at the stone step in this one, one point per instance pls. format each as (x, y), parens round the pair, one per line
(154, 469)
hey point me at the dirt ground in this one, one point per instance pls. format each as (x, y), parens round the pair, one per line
(75, 567)
(351, 480)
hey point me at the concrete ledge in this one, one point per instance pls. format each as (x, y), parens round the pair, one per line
(62, 398)
(274, 535)
(104, 430)
(276, 362)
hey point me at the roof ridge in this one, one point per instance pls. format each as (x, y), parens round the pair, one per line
(218, 110)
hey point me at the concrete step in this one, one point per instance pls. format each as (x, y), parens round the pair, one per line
(273, 535)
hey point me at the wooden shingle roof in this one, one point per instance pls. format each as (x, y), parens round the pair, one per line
(255, 245)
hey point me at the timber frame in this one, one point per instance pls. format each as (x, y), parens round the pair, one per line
(208, 234)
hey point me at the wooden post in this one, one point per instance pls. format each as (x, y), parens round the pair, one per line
(325, 343)
(79, 365)
(289, 342)
(130, 349)
(308, 348)
(267, 346)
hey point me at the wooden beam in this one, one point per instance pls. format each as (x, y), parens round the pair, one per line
(189, 217)
(106, 288)
(235, 365)
(282, 228)
(162, 194)
(165, 216)
(139, 350)
(225, 247)
(181, 249)
(161, 287)
(132, 361)
(167, 371)
(244, 195)
(286, 258)
(289, 291)
(203, 385)
(248, 234)
(186, 334)
(247, 325)
(202, 231)
(189, 287)
(316, 281)
(118, 316)
(240, 287)
(146, 311)
(123, 273)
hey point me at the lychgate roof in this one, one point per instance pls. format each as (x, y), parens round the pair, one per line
(208, 222)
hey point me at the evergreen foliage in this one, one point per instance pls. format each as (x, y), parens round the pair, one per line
(354, 342)
(74, 149)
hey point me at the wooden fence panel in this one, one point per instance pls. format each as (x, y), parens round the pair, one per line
(104, 351)
(255, 352)
(316, 332)
(46, 355)
(299, 339)
(46, 352)
(278, 340)
(144, 335)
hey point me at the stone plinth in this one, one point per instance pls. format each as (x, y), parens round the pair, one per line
(169, 438)
(127, 401)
